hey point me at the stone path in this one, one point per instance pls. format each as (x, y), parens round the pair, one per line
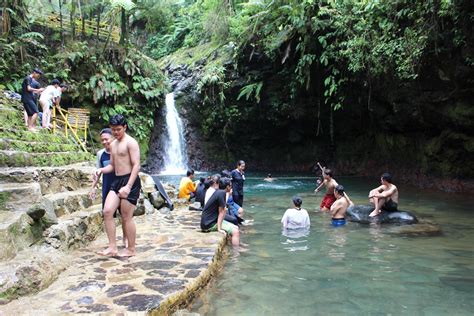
(174, 260)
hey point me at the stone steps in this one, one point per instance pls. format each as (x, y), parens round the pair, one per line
(38, 147)
(17, 231)
(11, 117)
(21, 133)
(76, 229)
(51, 179)
(22, 158)
(18, 196)
(68, 202)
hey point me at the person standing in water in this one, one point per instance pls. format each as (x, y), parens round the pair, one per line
(296, 217)
(125, 190)
(330, 184)
(340, 206)
(238, 179)
(384, 197)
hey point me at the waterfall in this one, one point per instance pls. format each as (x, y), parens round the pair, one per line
(175, 158)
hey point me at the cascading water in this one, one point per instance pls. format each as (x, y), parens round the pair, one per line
(175, 158)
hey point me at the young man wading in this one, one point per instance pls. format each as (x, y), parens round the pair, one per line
(125, 189)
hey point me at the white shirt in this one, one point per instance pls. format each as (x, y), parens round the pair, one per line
(50, 93)
(294, 218)
(208, 195)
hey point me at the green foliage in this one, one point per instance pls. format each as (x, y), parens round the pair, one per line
(212, 84)
(248, 90)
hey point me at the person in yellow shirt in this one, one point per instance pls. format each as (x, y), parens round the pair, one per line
(187, 188)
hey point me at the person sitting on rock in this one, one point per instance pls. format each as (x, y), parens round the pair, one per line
(340, 206)
(234, 211)
(295, 217)
(201, 191)
(213, 213)
(187, 188)
(330, 184)
(384, 197)
(213, 186)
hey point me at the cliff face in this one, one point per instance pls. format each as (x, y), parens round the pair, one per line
(418, 129)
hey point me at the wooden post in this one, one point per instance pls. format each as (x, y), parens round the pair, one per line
(66, 124)
(85, 131)
(77, 123)
(54, 119)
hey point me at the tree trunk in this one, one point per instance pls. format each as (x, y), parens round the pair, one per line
(123, 26)
(99, 11)
(72, 19)
(61, 22)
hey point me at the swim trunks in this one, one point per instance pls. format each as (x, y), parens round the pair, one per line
(30, 107)
(390, 206)
(121, 181)
(327, 201)
(336, 222)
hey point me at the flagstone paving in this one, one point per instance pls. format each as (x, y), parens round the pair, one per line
(174, 260)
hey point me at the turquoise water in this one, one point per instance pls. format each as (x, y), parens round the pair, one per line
(353, 270)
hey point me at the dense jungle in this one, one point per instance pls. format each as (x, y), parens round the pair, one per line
(360, 85)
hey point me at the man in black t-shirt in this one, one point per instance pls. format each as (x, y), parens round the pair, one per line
(213, 213)
(28, 98)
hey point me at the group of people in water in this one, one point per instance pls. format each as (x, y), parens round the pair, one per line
(220, 196)
(336, 201)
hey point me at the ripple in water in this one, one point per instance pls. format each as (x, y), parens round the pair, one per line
(272, 186)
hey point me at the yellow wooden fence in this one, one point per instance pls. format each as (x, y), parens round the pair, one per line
(75, 121)
(53, 20)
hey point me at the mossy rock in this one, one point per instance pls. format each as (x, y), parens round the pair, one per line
(11, 117)
(24, 135)
(23, 159)
(38, 147)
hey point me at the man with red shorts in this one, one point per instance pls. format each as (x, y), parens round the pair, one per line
(330, 184)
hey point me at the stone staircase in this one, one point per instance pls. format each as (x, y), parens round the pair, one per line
(45, 209)
(20, 147)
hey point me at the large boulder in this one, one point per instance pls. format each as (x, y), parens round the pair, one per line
(360, 214)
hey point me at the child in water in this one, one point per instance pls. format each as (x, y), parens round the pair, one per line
(295, 217)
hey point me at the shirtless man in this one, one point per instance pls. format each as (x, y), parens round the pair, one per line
(330, 184)
(340, 206)
(384, 197)
(125, 189)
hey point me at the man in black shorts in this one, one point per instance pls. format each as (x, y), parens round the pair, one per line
(125, 189)
(28, 98)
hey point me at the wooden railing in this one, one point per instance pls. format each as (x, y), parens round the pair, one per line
(91, 29)
(75, 121)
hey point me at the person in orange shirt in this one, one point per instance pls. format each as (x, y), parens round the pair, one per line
(187, 188)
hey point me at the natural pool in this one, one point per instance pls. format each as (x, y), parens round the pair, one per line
(356, 269)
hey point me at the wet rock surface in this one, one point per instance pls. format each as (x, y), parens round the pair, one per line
(360, 214)
(174, 259)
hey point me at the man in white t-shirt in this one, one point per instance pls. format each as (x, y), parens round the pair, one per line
(50, 97)
(296, 217)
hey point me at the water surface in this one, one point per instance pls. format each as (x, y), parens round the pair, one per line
(353, 270)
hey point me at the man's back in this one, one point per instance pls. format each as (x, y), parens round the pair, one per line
(210, 210)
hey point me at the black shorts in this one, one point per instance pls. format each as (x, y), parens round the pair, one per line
(121, 181)
(30, 107)
(390, 206)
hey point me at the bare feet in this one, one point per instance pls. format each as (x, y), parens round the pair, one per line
(108, 252)
(374, 213)
(126, 253)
